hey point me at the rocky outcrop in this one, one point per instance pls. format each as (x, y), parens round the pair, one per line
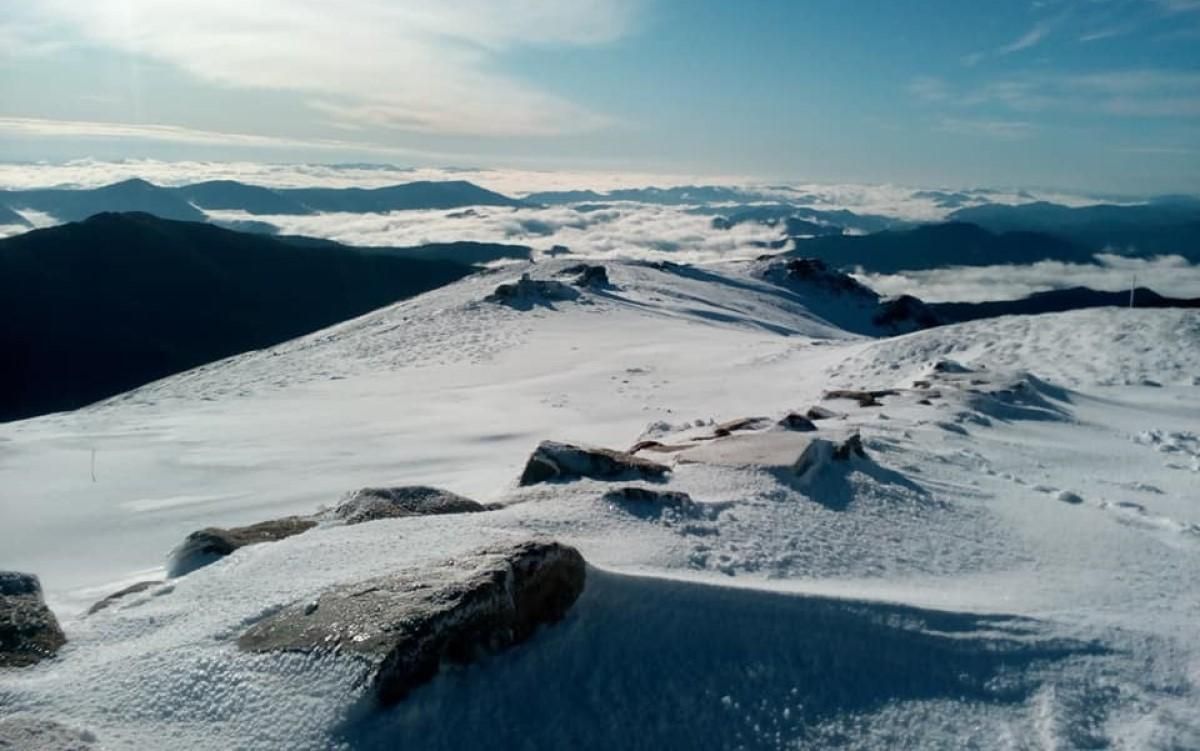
(29, 632)
(527, 291)
(742, 423)
(28, 734)
(864, 398)
(587, 275)
(121, 594)
(552, 460)
(818, 412)
(407, 624)
(815, 273)
(797, 422)
(208, 545)
(905, 313)
(370, 504)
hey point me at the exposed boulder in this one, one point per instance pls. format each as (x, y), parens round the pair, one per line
(864, 398)
(634, 494)
(558, 250)
(552, 460)
(29, 632)
(528, 291)
(1067, 496)
(850, 448)
(587, 275)
(405, 625)
(742, 423)
(776, 451)
(130, 590)
(797, 422)
(370, 504)
(817, 412)
(208, 545)
(659, 447)
(28, 734)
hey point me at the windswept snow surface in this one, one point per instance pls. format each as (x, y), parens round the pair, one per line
(1016, 564)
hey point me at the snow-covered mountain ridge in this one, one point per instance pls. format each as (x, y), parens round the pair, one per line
(1012, 564)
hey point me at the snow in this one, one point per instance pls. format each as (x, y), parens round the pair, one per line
(941, 593)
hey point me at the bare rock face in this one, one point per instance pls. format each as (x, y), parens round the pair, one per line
(370, 504)
(565, 461)
(121, 594)
(27, 734)
(29, 632)
(208, 545)
(905, 313)
(406, 625)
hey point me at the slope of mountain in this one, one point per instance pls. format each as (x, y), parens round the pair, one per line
(231, 195)
(1057, 301)
(10, 217)
(462, 252)
(1170, 225)
(449, 194)
(69, 205)
(98, 307)
(934, 245)
(800, 221)
(1010, 564)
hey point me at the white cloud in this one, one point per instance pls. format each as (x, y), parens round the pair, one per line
(46, 128)
(405, 64)
(1029, 39)
(900, 201)
(1172, 276)
(622, 230)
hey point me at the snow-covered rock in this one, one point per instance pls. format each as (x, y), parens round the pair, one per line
(210, 544)
(566, 461)
(527, 291)
(369, 504)
(29, 632)
(405, 625)
(121, 594)
(31, 734)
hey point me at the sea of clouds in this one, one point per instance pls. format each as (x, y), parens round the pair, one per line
(618, 229)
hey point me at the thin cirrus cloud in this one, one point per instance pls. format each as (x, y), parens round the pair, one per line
(405, 64)
(88, 129)
(1146, 93)
(1005, 130)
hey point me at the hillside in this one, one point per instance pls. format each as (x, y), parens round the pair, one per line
(935, 245)
(1014, 543)
(95, 308)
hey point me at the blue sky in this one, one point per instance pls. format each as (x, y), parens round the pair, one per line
(1102, 95)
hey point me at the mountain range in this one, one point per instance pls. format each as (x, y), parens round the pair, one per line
(935, 245)
(189, 202)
